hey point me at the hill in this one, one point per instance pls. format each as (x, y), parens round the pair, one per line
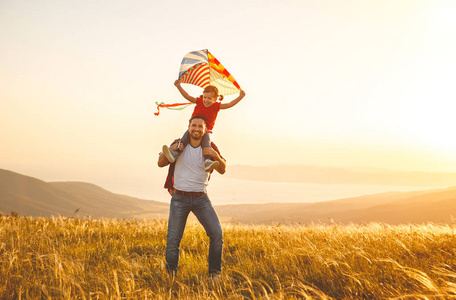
(30, 196)
(392, 208)
(334, 175)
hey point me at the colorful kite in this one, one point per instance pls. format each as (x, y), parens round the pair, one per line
(201, 68)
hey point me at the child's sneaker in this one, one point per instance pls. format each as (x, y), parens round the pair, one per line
(170, 154)
(210, 165)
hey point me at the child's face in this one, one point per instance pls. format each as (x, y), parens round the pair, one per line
(209, 98)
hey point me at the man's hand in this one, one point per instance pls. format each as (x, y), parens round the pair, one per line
(173, 147)
(162, 160)
(212, 153)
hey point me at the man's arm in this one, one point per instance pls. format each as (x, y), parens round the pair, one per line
(162, 160)
(212, 153)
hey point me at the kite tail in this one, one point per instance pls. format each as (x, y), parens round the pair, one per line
(173, 106)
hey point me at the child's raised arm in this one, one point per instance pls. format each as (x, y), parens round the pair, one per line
(183, 92)
(234, 102)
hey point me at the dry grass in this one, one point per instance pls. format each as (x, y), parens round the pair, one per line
(70, 258)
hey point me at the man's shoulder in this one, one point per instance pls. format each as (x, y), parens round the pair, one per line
(214, 146)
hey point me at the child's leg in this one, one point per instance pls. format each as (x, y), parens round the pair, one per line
(172, 155)
(209, 163)
(185, 139)
(206, 143)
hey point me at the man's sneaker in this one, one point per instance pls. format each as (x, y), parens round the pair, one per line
(210, 165)
(215, 278)
(170, 154)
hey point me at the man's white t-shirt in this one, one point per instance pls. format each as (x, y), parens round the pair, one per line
(189, 174)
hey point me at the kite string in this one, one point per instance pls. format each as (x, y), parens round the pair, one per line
(172, 106)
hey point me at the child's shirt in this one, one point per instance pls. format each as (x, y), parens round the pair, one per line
(208, 113)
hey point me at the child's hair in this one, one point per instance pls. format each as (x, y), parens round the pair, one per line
(213, 89)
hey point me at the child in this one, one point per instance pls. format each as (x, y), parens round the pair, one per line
(207, 107)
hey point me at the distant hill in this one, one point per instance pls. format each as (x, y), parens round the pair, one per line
(332, 175)
(33, 197)
(437, 206)
(30, 196)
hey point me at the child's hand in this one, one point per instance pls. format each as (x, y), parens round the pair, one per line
(177, 83)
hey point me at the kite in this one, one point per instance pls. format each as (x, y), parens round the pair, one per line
(201, 68)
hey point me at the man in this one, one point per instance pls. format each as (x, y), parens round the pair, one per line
(187, 182)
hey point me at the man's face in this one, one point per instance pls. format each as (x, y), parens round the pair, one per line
(197, 128)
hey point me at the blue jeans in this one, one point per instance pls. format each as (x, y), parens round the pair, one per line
(201, 206)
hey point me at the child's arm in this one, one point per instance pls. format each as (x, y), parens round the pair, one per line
(183, 92)
(234, 102)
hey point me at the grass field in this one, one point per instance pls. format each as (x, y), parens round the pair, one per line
(68, 258)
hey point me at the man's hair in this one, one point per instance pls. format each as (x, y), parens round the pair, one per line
(197, 117)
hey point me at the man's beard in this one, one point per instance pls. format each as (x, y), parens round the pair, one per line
(196, 135)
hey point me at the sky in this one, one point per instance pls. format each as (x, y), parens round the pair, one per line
(337, 83)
